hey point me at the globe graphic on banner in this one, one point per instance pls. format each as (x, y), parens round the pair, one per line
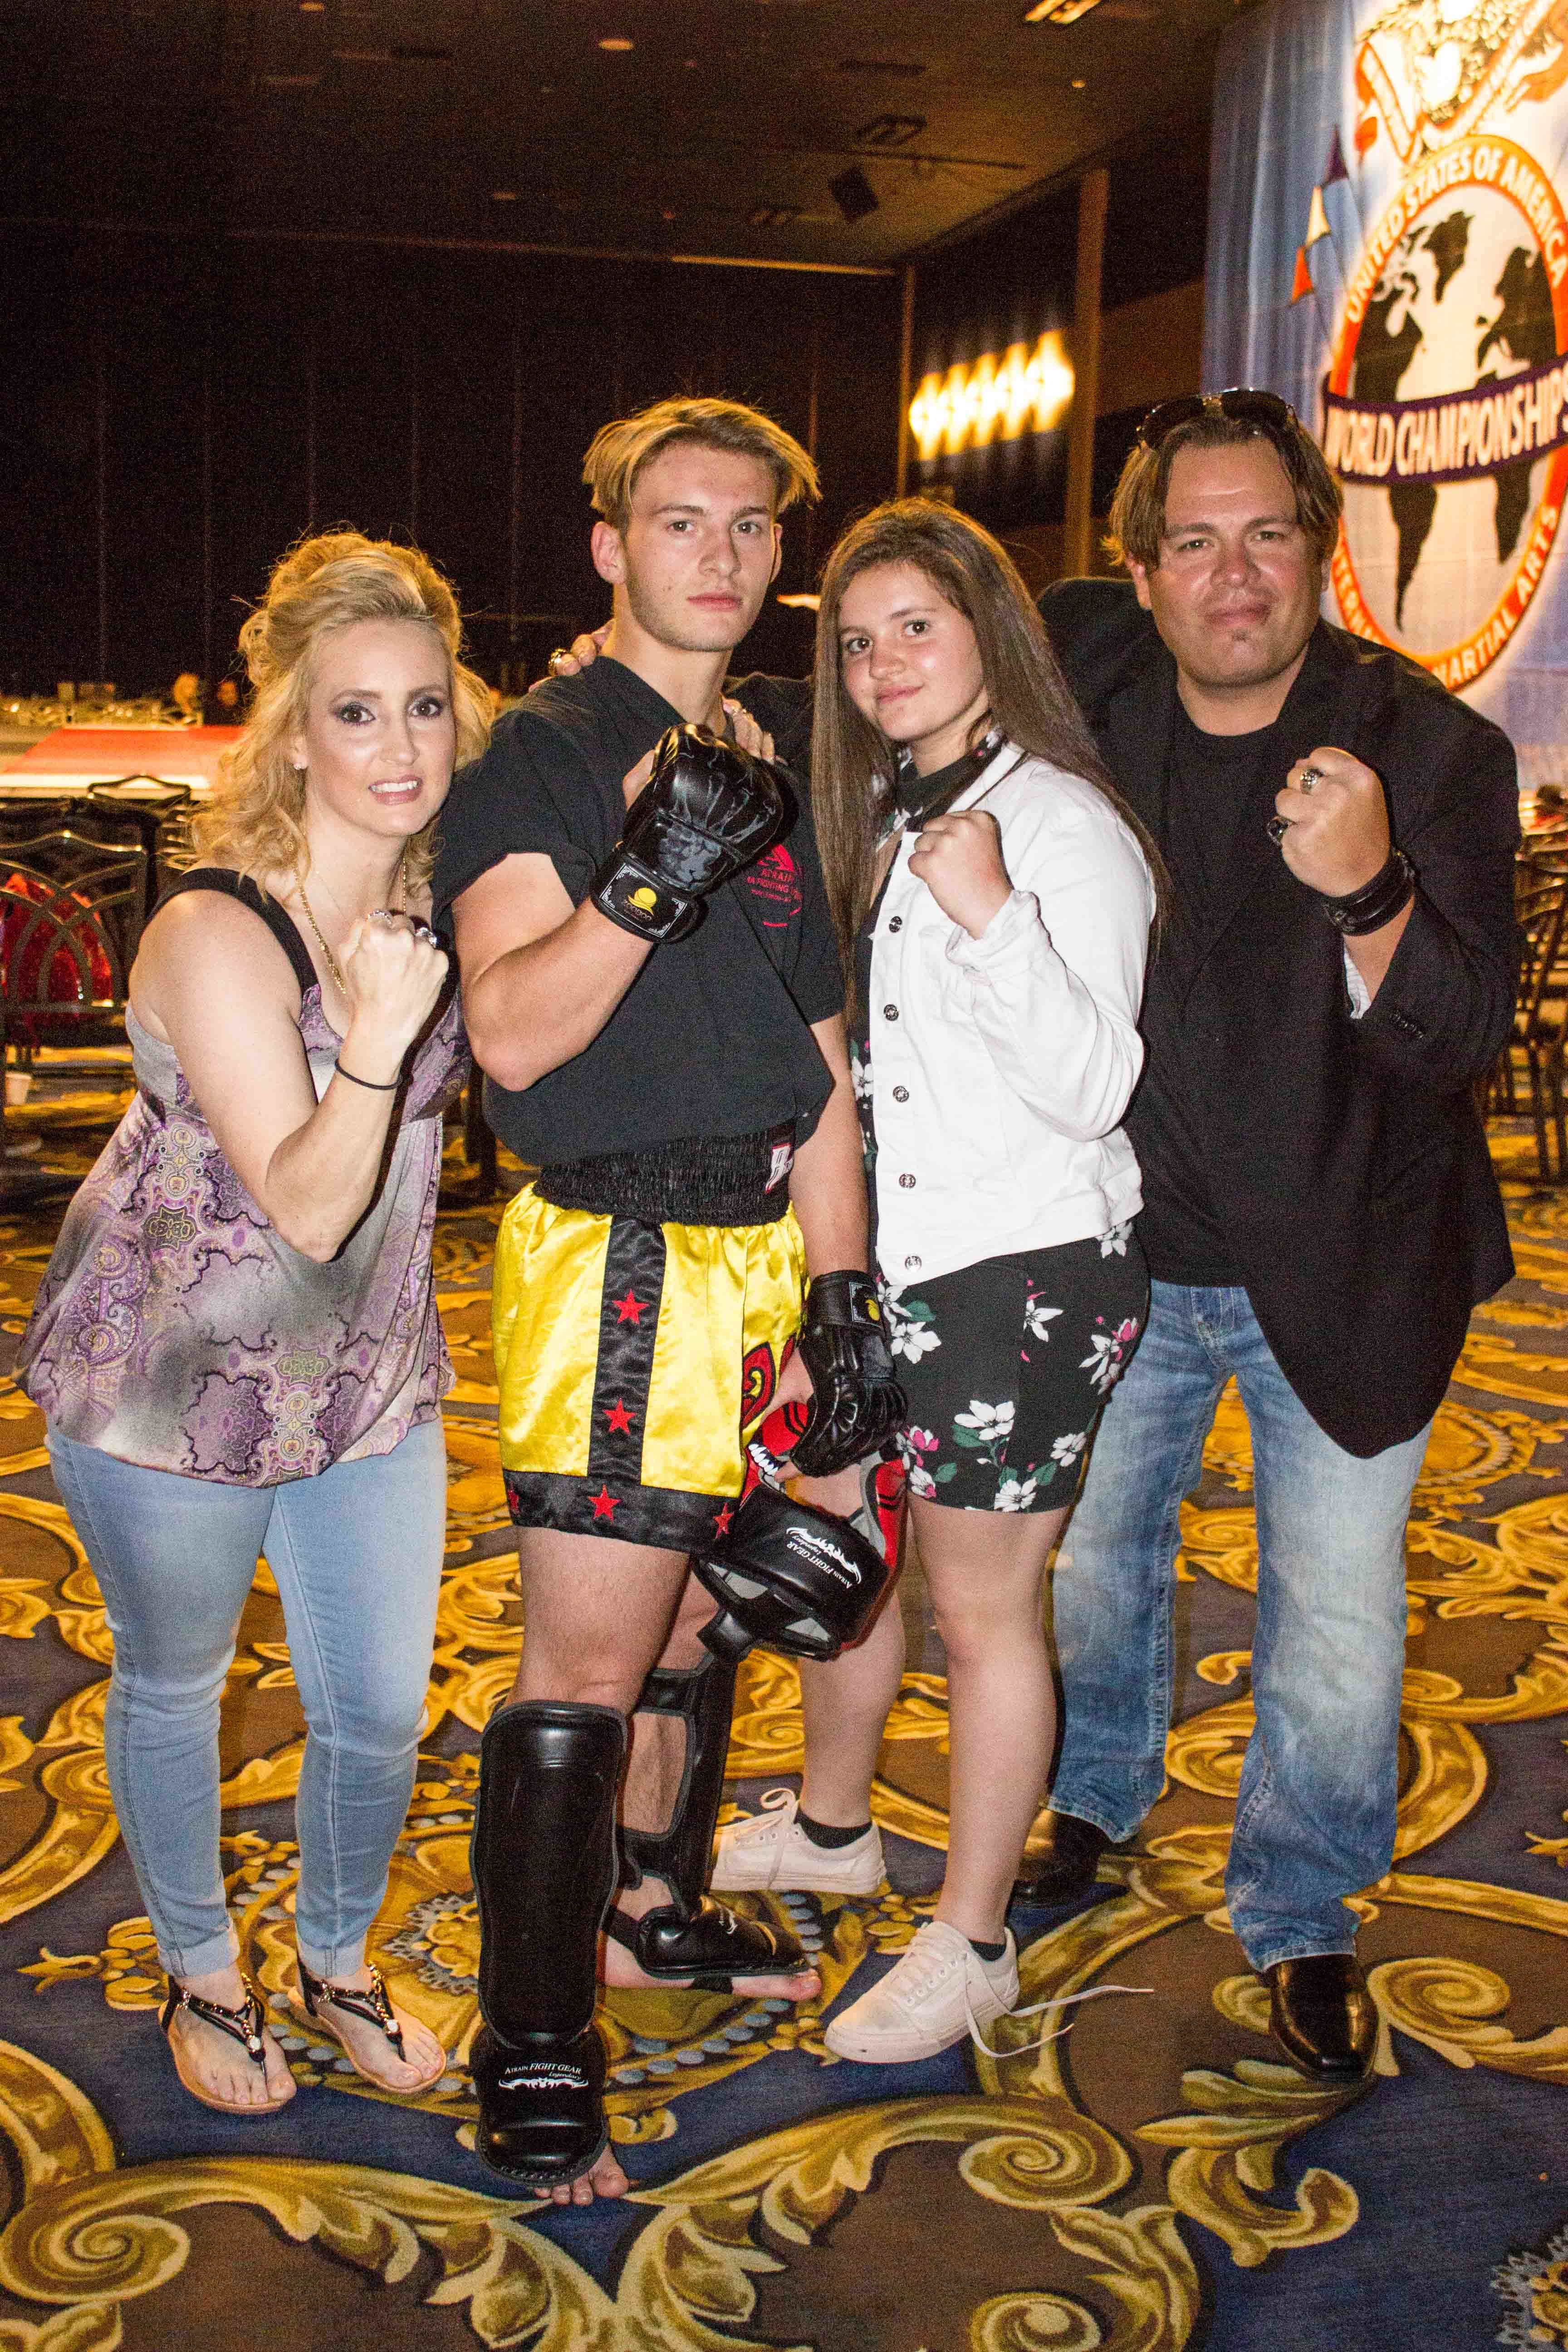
(1445, 410)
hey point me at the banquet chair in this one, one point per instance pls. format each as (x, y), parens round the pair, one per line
(72, 913)
(1540, 1010)
(157, 814)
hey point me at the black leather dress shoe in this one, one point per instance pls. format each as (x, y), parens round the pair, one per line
(1061, 1861)
(1322, 2016)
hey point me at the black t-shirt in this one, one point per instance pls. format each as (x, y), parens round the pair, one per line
(713, 1036)
(783, 706)
(1213, 784)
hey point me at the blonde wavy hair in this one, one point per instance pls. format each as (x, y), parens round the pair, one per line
(253, 820)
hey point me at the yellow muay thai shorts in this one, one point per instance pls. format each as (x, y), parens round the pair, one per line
(634, 1360)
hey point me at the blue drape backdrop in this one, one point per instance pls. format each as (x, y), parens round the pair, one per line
(1400, 173)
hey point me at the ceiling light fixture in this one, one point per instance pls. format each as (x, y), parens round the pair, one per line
(312, 7)
(503, 195)
(853, 193)
(1058, 12)
(618, 42)
(1081, 85)
(891, 130)
(800, 604)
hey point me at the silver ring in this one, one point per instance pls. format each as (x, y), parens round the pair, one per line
(1310, 776)
(423, 931)
(1278, 828)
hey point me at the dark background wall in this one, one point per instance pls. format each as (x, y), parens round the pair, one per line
(176, 410)
(1010, 284)
(1013, 281)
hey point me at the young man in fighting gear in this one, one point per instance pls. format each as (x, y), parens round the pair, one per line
(652, 987)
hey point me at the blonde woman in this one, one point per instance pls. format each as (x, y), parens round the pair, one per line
(236, 1346)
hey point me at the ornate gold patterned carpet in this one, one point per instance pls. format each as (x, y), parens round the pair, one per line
(1156, 2179)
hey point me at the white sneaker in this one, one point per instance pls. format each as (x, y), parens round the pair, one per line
(771, 1849)
(938, 1992)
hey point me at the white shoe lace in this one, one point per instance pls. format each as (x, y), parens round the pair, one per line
(1036, 2009)
(764, 1827)
(927, 1958)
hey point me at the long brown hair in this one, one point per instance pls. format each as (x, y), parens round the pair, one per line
(1030, 701)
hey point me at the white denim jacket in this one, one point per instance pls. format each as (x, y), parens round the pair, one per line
(1001, 1066)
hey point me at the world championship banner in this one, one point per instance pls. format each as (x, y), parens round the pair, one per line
(1388, 248)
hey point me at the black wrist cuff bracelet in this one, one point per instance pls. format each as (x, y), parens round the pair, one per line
(371, 1086)
(1376, 902)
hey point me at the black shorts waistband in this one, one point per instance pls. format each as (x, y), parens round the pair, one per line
(722, 1180)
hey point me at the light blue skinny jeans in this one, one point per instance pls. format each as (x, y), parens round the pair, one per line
(1315, 1812)
(356, 1552)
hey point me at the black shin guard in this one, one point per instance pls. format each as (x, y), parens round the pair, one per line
(544, 1870)
(691, 1937)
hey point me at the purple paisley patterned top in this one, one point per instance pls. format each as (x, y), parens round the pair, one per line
(176, 1330)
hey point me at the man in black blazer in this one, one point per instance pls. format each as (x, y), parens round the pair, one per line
(1320, 1214)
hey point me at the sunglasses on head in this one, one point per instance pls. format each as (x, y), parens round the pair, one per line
(1265, 409)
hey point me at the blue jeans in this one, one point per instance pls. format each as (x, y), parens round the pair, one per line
(1314, 1816)
(356, 1552)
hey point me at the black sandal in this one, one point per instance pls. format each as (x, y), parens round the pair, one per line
(245, 2025)
(368, 2002)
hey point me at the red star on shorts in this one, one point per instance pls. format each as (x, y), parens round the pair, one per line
(617, 1417)
(721, 1520)
(631, 1309)
(604, 1504)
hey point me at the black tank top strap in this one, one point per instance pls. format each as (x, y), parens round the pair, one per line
(276, 918)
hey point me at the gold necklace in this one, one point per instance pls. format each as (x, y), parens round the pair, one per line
(333, 967)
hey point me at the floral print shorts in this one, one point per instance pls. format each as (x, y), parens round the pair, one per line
(1006, 1366)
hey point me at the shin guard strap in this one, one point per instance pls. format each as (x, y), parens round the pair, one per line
(702, 1697)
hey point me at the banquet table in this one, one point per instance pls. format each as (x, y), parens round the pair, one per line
(66, 764)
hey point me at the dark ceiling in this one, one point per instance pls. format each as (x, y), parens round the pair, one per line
(718, 127)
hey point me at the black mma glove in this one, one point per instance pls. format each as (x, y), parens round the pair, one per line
(706, 811)
(857, 1404)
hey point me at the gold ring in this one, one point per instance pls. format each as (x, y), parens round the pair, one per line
(561, 653)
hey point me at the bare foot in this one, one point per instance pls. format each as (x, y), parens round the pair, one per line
(367, 2047)
(606, 2180)
(212, 2064)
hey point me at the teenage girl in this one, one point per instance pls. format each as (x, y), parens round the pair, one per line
(993, 899)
